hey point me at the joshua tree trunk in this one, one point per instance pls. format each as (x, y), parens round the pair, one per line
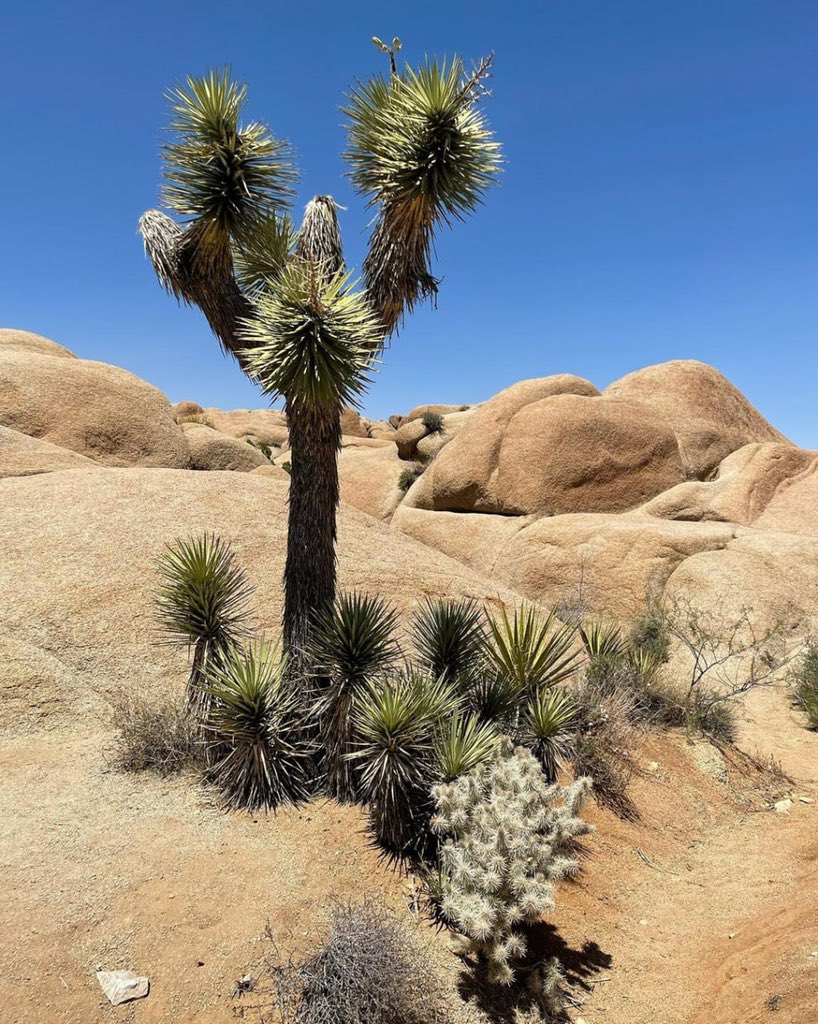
(309, 576)
(315, 440)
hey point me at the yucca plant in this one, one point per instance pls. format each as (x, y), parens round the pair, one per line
(421, 152)
(351, 643)
(448, 636)
(395, 721)
(644, 663)
(529, 650)
(257, 727)
(551, 720)
(496, 698)
(202, 603)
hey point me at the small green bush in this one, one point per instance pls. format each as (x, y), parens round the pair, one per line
(604, 739)
(433, 421)
(263, 447)
(409, 475)
(164, 738)
(713, 717)
(509, 837)
(806, 682)
(650, 633)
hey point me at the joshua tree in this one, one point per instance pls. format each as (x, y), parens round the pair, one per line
(283, 305)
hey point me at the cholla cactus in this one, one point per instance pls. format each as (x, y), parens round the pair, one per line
(509, 834)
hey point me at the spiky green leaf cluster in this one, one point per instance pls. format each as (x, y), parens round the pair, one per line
(350, 643)
(355, 639)
(256, 723)
(395, 720)
(463, 742)
(311, 340)
(226, 175)
(509, 837)
(529, 650)
(419, 139)
(603, 640)
(263, 253)
(551, 718)
(204, 592)
(448, 636)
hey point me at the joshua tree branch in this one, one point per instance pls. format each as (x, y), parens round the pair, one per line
(198, 274)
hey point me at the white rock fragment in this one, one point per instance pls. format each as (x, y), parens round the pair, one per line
(122, 986)
(782, 807)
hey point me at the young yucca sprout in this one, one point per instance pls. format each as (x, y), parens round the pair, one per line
(603, 641)
(497, 699)
(394, 722)
(350, 643)
(530, 650)
(202, 603)
(448, 636)
(644, 663)
(257, 726)
(461, 744)
(551, 718)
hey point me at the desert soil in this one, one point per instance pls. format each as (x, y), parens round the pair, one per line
(702, 909)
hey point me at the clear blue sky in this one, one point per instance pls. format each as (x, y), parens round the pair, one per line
(659, 200)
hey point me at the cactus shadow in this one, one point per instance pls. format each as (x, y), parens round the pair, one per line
(501, 1004)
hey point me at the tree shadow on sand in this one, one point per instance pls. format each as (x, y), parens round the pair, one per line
(501, 1003)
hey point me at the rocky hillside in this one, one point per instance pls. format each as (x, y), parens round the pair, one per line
(667, 480)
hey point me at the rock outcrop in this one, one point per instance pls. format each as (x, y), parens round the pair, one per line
(94, 536)
(96, 410)
(21, 455)
(212, 450)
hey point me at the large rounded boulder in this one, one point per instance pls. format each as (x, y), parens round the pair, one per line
(710, 416)
(96, 410)
(551, 447)
(212, 450)
(25, 341)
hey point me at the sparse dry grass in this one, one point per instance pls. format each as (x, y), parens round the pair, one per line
(163, 738)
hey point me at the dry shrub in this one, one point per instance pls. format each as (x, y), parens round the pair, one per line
(605, 739)
(164, 738)
(370, 970)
